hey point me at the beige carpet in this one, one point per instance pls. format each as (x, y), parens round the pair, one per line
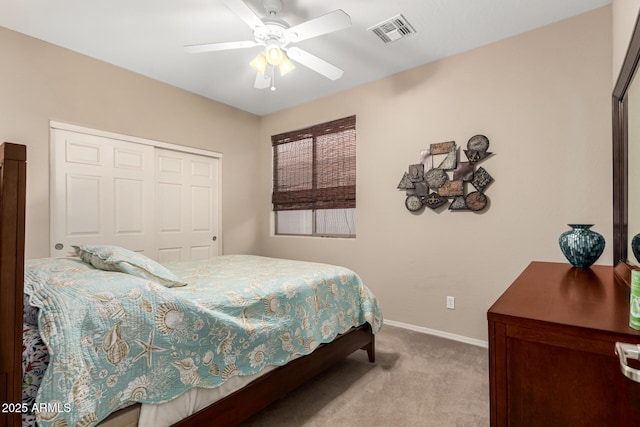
(417, 380)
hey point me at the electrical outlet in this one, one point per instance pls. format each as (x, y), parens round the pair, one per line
(451, 303)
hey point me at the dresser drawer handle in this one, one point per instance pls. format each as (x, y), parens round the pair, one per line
(628, 351)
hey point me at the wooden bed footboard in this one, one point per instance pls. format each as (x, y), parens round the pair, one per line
(13, 176)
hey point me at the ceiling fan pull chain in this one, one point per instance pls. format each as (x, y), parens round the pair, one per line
(273, 78)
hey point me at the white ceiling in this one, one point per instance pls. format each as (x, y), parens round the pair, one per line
(147, 37)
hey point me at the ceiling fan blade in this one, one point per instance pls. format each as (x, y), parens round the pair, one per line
(332, 21)
(262, 81)
(213, 47)
(243, 11)
(318, 65)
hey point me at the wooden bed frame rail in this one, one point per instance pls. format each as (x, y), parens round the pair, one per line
(13, 177)
(274, 385)
(229, 411)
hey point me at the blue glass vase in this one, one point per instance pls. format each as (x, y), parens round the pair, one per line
(635, 246)
(581, 246)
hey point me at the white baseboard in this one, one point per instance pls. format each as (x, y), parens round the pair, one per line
(454, 337)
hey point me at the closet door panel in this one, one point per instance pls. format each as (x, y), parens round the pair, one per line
(129, 206)
(82, 202)
(169, 254)
(201, 204)
(170, 207)
(102, 193)
(187, 205)
(201, 252)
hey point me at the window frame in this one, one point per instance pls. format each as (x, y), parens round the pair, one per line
(317, 198)
(313, 233)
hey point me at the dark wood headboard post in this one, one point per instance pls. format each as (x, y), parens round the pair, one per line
(13, 176)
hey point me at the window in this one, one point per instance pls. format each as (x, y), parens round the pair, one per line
(314, 180)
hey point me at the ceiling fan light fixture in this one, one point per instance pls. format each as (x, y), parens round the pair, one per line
(274, 54)
(285, 66)
(259, 63)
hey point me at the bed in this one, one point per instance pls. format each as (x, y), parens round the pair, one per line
(229, 410)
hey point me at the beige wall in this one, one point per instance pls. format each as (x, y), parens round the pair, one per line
(624, 16)
(543, 98)
(41, 82)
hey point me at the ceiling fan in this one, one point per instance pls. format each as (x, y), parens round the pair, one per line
(277, 37)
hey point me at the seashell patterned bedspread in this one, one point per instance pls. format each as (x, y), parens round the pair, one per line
(115, 338)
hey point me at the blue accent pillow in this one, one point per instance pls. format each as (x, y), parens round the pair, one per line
(30, 313)
(115, 258)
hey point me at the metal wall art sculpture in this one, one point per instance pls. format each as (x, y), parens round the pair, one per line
(433, 187)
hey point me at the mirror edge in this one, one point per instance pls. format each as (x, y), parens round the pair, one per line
(620, 157)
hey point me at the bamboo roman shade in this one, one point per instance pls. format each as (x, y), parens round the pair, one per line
(315, 168)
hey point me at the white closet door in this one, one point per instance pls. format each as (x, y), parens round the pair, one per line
(186, 206)
(102, 192)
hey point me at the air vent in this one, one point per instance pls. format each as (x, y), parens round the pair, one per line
(393, 29)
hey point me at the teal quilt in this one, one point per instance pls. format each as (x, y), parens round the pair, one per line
(114, 338)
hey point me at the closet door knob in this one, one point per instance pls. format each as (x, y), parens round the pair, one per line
(214, 238)
(59, 246)
(628, 351)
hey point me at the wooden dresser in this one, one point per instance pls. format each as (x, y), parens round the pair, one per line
(551, 350)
